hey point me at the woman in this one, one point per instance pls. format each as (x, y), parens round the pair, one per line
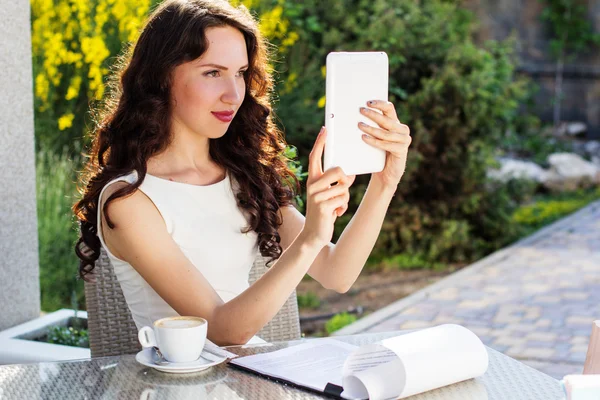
(186, 180)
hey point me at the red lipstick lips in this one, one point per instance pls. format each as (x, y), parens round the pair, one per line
(223, 116)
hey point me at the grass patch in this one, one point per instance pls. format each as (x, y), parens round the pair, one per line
(550, 208)
(409, 261)
(57, 233)
(339, 321)
(308, 300)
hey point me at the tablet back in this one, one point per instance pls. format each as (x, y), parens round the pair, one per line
(353, 78)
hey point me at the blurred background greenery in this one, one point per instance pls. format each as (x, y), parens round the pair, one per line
(464, 103)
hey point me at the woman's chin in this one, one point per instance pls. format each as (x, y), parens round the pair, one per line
(216, 134)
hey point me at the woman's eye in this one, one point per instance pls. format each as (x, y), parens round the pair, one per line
(243, 73)
(214, 74)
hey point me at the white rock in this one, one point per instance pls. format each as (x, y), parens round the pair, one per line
(511, 168)
(570, 166)
(576, 128)
(592, 147)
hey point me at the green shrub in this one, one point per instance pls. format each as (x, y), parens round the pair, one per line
(57, 233)
(533, 143)
(494, 228)
(68, 336)
(308, 300)
(549, 209)
(339, 321)
(291, 154)
(406, 261)
(459, 100)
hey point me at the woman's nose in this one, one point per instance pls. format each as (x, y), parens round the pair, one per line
(233, 92)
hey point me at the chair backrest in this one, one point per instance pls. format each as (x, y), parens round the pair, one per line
(592, 359)
(113, 332)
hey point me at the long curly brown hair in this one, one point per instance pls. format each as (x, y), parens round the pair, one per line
(134, 123)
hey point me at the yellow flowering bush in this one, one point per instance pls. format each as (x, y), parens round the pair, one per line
(73, 42)
(273, 24)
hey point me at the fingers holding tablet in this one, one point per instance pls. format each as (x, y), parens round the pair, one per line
(315, 167)
(376, 132)
(391, 131)
(384, 135)
(386, 107)
(392, 136)
(327, 192)
(387, 119)
(327, 195)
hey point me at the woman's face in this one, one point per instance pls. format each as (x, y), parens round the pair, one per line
(209, 88)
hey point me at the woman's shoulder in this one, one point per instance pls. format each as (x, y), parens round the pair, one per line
(135, 212)
(116, 184)
(125, 204)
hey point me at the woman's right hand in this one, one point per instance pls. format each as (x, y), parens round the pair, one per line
(324, 202)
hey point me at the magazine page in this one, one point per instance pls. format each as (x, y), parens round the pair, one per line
(313, 364)
(413, 363)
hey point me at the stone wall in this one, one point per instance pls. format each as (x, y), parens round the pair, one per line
(500, 18)
(19, 269)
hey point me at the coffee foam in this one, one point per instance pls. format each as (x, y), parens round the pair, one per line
(179, 323)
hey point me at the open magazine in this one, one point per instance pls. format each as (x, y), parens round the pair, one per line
(393, 368)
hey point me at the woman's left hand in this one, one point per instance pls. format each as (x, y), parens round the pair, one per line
(391, 136)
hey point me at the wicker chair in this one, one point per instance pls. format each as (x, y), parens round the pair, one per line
(113, 332)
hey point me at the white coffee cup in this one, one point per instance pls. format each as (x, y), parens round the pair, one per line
(179, 339)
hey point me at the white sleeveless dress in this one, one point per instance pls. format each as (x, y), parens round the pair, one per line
(207, 224)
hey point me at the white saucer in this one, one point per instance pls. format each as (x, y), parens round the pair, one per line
(144, 357)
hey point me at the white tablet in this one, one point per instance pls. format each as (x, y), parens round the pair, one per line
(353, 78)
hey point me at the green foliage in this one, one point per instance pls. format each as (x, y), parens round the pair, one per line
(495, 228)
(73, 45)
(571, 27)
(68, 336)
(57, 231)
(533, 145)
(572, 34)
(458, 99)
(308, 300)
(551, 208)
(291, 154)
(528, 139)
(407, 261)
(339, 321)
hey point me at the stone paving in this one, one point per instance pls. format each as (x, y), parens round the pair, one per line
(534, 301)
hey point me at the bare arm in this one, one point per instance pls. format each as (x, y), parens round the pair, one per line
(338, 265)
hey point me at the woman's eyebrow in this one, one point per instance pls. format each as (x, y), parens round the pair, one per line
(220, 66)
